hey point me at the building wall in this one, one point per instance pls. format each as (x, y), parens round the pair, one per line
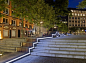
(11, 27)
(78, 18)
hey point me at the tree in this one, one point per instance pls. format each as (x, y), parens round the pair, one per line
(3, 5)
(60, 7)
(43, 12)
(82, 4)
(37, 10)
(73, 29)
(22, 9)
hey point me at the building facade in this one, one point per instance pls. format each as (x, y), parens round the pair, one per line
(77, 20)
(11, 27)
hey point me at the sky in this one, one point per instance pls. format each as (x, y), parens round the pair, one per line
(73, 3)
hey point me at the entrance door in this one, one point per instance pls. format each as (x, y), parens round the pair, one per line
(18, 33)
(9, 33)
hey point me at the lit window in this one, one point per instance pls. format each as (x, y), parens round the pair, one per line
(7, 2)
(78, 15)
(13, 23)
(74, 10)
(5, 20)
(83, 14)
(75, 14)
(71, 10)
(72, 13)
(6, 11)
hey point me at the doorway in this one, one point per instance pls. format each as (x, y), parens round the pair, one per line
(18, 33)
(9, 33)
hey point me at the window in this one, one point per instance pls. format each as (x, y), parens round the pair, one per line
(69, 24)
(6, 11)
(72, 24)
(78, 24)
(69, 20)
(72, 21)
(83, 21)
(13, 22)
(20, 24)
(78, 21)
(7, 2)
(30, 27)
(26, 25)
(78, 17)
(72, 13)
(71, 10)
(83, 14)
(5, 33)
(13, 33)
(5, 20)
(80, 14)
(72, 17)
(69, 17)
(75, 14)
(75, 17)
(75, 24)
(75, 21)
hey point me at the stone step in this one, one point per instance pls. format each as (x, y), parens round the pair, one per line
(7, 47)
(64, 41)
(2, 45)
(59, 42)
(61, 48)
(58, 49)
(10, 43)
(7, 50)
(61, 51)
(82, 44)
(65, 46)
(59, 55)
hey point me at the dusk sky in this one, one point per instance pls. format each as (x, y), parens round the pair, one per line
(73, 3)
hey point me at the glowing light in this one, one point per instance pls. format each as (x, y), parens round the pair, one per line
(41, 22)
(0, 54)
(55, 27)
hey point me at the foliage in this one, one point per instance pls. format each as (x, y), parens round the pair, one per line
(60, 8)
(82, 4)
(3, 5)
(63, 28)
(73, 29)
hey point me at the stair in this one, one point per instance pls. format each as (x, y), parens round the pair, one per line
(16, 45)
(61, 48)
